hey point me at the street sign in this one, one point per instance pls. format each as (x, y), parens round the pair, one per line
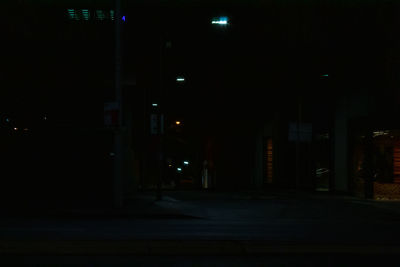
(300, 132)
(111, 111)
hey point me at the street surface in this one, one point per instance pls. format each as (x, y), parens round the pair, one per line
(215, 225)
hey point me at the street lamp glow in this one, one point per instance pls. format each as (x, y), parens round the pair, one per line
(154, 105)
(220, 21)
(180, 79)
(179, 169)
(186, 162)
(177, 122)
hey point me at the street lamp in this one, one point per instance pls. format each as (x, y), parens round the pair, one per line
(220, 21)
(180, 79)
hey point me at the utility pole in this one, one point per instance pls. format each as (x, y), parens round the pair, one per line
(161, 121)
(298, 143)
(118, 132)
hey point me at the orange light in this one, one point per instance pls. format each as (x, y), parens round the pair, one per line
(177, 122)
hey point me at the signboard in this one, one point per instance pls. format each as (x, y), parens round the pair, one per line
(300, 132)
(111, 111)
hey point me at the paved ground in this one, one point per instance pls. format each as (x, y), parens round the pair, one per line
(216, 225)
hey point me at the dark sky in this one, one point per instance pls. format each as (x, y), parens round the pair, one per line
(267, 54)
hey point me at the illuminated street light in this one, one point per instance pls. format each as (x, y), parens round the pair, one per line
(186, 162)
(179, 169)
(180, 79)
(177, 122)
(220, 21)
(154, 105)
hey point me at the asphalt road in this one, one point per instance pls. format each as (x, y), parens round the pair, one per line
(221, 227)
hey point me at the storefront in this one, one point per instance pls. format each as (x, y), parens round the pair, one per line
(384, 163)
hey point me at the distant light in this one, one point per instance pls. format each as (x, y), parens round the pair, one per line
(100, 15)
(7, 120)
(325, 75)
(25, 129)
(186, 162)
(154, 104)
(112, 154)
(45, 118)
(15, 129)
(123, 18)
(221, 21)
(379, 133)
(179, 169)
(86, 14)
(169, 165)
(177, 122)
(180, 79)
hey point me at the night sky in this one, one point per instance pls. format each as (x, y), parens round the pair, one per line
(266, 54)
